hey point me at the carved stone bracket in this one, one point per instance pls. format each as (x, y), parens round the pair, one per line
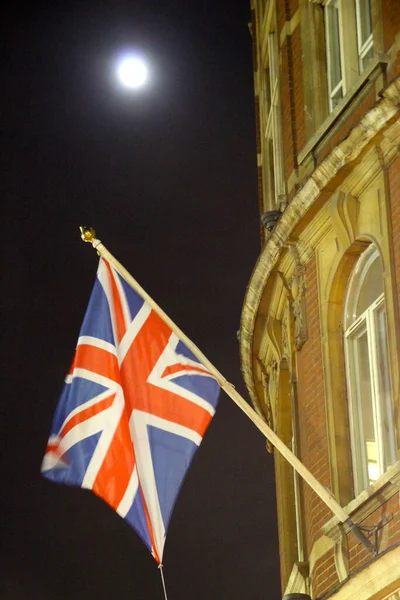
(341, 555)
(344, 214)
(286, 334)
(272, 385)
(298, 288)
(270, 373)
(299, 580)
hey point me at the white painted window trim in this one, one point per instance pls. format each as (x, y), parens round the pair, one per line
(273, 131)
(332, 91)
(365, 323)
(352, 52)
(363, 48)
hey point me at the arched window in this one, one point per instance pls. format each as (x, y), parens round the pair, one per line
(367, 372)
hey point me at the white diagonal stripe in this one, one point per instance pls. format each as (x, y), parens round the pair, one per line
(97, 343)
(129, 496)
(138, 424)
(171, 427)
(185, 372)
(138, 428)
(85, 405)
(83, 430)
(52, 461)
(112, 420)
(168, 358)
(96, 378)
(133, 331)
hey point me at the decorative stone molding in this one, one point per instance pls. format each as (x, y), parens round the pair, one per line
(341, 554)
(298, 288)
(274, 338)
(299, 580)
(320, 548)
(344, 215)
(380, 576)
(375, 68)
(286, 337)
(373, 123)
(270, 420)
(272, 381)
(270, 374)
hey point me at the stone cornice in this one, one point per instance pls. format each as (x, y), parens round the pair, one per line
(373, 122)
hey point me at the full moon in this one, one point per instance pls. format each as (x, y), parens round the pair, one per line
(132, 72)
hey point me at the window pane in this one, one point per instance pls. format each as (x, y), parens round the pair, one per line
(333, 45)
(365, 287)
(371, 287)
(366, 411)
(383, 380)
(368, 376)
(336, 96)
(364, 21)
(364, 33)
(366, 58)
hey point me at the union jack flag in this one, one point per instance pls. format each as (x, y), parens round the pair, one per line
(133, 410)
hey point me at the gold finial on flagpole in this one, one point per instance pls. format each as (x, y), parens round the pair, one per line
(88, 234)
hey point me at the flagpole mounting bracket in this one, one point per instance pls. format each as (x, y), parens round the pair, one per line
(360, 535)
(88, 234)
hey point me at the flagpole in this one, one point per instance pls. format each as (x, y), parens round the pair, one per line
(88, 235)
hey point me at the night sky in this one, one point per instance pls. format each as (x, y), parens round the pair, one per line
(167, 177)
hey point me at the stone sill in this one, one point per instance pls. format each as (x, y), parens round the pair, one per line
(371, 72)
(367, 502)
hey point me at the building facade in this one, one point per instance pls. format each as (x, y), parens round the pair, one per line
(320, 327)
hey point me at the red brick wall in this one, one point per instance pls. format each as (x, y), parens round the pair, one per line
(324, 576)
(293, 118)
(311, 410)
(394, 69)
(292, 98)
(299, 116)
(280, 14)
(393, 508)
(288, 123)
(290, 6)
(389, 533)
(313, 432)
(391, 22)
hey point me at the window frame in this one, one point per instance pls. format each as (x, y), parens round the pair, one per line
(351, 53)
(273, 124)
(363, 47)
(366, 323)
(274, 183)
(333, 89)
